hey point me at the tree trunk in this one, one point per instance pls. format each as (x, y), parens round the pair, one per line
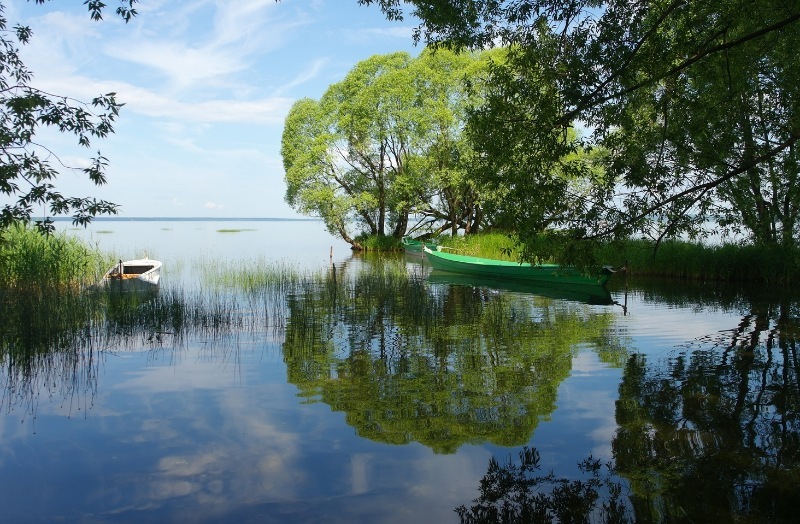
(402, 224)
(354, 244)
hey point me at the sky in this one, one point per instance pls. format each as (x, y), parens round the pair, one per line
(207, 86)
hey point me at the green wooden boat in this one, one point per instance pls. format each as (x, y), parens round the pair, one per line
(594, 295)
(506, 270)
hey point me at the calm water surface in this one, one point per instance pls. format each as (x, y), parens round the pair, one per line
(388, 407)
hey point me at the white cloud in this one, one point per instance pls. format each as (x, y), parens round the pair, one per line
(311, 72)
(369, 34)
(184, 67)
(212, 205)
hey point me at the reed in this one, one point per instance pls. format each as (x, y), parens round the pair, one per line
(384, 243)
(696, 261)
(253, 275)
(29, 259)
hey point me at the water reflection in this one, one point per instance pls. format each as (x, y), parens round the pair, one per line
(597, 295)
(713, 431)
(440, 365)
(53, 342)
(706, 427)
(517, 491)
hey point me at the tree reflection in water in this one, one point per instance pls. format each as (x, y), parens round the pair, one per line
(713, 433)
(710, 432)
(442, 366)
(520, 493)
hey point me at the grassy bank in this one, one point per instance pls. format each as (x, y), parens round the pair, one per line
(486, 245)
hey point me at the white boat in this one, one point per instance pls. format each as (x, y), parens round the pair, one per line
(138, 274)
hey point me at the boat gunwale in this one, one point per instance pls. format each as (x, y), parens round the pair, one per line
(455, 257)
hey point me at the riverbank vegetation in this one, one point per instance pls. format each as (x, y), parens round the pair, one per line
(678, 259)
(32, 260)
(765, 264)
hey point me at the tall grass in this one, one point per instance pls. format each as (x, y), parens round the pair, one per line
(29, 259)
(379, 243)
(44, 313)
(696, 261)
(498, 246)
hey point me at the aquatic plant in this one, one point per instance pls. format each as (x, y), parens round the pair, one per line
(697, 261)
(30, 259)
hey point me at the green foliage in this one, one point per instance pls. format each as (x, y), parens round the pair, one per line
(32, 260)
(498, 246)
(694, 105)
(385, 144)
(379, 243)
(27, 175)
(766, 264)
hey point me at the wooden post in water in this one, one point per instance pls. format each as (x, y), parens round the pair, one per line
(332, 267)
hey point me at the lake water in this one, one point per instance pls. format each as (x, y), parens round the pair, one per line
(388, 407)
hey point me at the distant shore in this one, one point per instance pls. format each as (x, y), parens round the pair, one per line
(189, 219)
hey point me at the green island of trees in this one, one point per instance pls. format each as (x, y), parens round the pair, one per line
(581, 123)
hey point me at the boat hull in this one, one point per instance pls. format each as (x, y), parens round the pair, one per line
(506, 270)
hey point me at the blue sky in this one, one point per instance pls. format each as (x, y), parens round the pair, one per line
(207, 86)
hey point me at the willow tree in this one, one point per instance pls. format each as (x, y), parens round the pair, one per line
(696, 103)
(383, 145)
